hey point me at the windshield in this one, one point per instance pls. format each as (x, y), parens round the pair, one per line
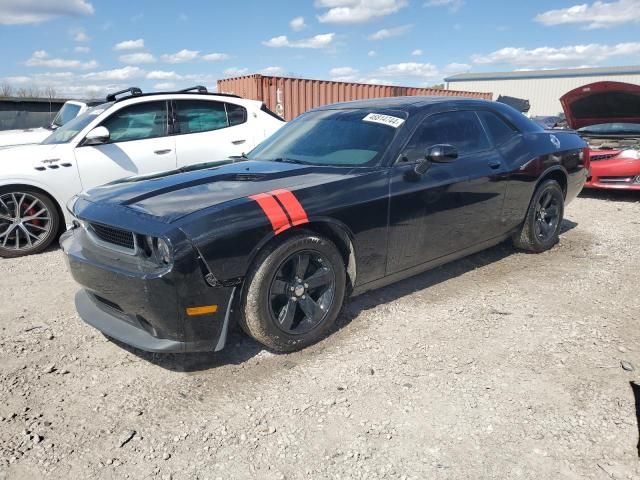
(68, 112)
(69, 130)
(612, 129)
(331, 137)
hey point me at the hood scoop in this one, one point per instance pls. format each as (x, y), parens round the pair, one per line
(248, 177)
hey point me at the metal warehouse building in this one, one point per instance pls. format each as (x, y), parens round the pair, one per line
(542, 88)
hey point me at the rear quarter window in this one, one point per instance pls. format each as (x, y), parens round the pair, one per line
(498, 129)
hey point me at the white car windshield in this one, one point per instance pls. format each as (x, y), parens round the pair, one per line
(68, 131)
(67, 113)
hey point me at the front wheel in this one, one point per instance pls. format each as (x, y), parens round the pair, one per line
(29, 222)
(541, 228)
(294, 293)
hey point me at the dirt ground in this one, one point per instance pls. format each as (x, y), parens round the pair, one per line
(501, 365)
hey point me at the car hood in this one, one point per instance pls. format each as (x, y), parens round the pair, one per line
(10, 138)
(33, 156)
(175, 194)
(602, 102)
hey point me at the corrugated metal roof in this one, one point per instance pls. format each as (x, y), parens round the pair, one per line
(563, 72)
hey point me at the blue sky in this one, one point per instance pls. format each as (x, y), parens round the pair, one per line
(87, 47)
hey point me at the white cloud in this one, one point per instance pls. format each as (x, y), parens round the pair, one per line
(456, 68)
(41, 58)
(417, 52)
(162, 75)
(164, 86)
(390, 32)
(273, 71)
(357, 11)
(81, 36)
(14, 12)
(215, 57)
(453, 5)
(236, 72)
(319, 41)
(297, 24)
(372, 53)
(597, 15)
(82, 49)
(410, 69)
(558, 56)
(182, 56)
(135, 58)
(124, 73)
(342, 71)
(130, 44)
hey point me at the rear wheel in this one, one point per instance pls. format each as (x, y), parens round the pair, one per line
(294, 293)
(29, 222)
(541, 228)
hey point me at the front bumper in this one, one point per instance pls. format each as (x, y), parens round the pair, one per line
(614, 182)
(145, 306)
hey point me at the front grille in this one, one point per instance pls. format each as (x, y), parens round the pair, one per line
(616, 179)
(114, 236)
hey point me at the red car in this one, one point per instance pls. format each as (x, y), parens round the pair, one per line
(607, 116)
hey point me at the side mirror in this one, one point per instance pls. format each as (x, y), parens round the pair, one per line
(97, 136)
(442, 153)
(436, 154)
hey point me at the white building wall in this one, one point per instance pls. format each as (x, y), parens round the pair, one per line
(543, 93)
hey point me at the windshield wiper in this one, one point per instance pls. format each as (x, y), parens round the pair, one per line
(290, 160)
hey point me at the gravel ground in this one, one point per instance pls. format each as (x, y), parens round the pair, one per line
(501, 365)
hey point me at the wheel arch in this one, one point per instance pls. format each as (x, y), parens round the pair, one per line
(556, 173)
(330, 228)
(28, 186)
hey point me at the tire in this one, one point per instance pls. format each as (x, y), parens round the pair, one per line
(265, 312)
(546, 208)
(38, 225)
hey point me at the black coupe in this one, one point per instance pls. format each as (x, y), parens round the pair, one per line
(345, 198)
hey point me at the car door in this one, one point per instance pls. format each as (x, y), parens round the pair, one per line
(210, 130)
(138, 144)
(452, 206)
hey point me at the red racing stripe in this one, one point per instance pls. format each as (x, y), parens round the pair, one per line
(273, 211)
(295, 210)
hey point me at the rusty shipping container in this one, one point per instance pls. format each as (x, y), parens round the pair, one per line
(289, 97)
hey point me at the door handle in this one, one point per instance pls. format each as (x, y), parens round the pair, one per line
(162, 152)
(494, 163)
(238, 142)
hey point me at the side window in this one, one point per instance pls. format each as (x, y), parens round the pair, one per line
(499, 130)
(195, 116)
(138, 122)
(460, 129)
(237, 114)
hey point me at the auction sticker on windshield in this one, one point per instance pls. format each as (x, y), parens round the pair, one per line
(388, 120)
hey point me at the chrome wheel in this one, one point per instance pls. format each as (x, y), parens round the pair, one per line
(26, 222)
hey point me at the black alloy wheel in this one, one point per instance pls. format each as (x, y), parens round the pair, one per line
(547, 216)
(541, 227)
(302, 292)
(294, 291)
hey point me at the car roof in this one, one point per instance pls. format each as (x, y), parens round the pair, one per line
(407, 103)
(147, 97)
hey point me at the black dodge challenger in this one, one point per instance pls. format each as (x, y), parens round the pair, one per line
(345, 198)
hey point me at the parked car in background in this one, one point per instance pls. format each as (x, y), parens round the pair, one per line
(70, 110)
(607, 116)
(135, 134)
(344, 199)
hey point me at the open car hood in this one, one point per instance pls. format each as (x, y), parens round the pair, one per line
(602, 102)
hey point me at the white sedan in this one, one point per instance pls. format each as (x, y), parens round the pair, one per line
(136, 134)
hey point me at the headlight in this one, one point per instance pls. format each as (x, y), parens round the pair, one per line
(158, 249)
(164, 252)
(72, 203)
